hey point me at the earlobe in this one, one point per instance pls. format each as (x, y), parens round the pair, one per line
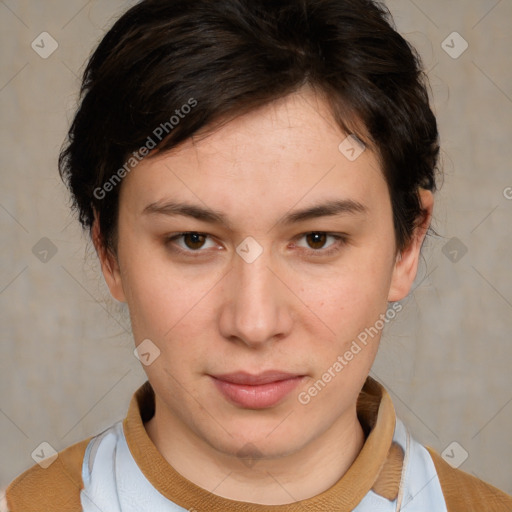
(109, 263)
(406, 263)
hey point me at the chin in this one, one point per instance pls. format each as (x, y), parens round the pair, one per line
(256, 441)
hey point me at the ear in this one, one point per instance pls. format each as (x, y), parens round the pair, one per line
(406, 264)
(109, 263)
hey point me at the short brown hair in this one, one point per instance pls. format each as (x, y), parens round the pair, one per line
(227, 57)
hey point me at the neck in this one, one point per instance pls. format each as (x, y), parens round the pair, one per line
(269, 481)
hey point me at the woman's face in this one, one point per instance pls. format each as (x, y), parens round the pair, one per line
(291, 257)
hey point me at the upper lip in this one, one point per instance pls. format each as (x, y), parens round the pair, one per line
(244, 378)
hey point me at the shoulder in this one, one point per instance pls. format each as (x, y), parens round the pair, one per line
(55, 488)
(466, 493)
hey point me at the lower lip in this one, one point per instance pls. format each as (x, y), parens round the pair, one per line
(257, 397)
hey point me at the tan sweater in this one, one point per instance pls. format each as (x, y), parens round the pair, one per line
(378, 467)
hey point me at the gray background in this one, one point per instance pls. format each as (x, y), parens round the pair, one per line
(67, 370)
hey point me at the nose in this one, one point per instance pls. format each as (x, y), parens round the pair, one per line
(257, 307)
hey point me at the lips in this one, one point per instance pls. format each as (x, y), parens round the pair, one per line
(243, 378)
(259, 391)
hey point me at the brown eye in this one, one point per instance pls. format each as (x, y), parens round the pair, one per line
(316, 240)
(191, 243)
(194, 240)
(322, 244)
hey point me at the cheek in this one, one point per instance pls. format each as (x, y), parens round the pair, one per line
(148, 300)
(167, 306)
(156, 299)
(349, 301)
(350, 295)
(351, 307)
(170, 316)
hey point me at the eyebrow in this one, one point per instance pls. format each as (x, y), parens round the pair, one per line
(327, 209)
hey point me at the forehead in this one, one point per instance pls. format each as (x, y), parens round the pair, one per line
(287, 152)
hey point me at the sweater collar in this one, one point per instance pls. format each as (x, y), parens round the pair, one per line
(377, 467)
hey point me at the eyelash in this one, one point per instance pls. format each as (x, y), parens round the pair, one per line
(341, 241)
